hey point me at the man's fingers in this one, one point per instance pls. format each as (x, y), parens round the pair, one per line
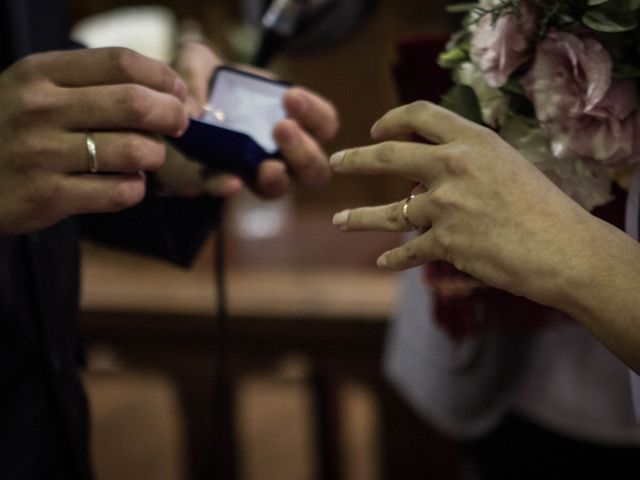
(108, 66)
(313, 112)
(98, 193)
(119, 107)
(127, 152)
(222, 185)
(196, 64)
(302, 153)
(428, 120)
(273, 179)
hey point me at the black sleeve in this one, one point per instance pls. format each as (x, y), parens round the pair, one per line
(170, 228)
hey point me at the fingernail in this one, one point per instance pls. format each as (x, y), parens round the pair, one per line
(297, 102)
(372, 132)
(183, 128)
(287, 138)
(382, 261)
(180, 89)
(340, 219)
(336, 159)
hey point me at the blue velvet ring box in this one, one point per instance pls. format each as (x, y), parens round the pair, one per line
(235, 132)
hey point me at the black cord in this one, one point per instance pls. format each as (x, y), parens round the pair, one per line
(224, 434)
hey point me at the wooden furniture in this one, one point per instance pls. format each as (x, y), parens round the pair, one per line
(309, 290)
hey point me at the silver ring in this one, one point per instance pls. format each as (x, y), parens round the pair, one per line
(91, 152)
(405, 213)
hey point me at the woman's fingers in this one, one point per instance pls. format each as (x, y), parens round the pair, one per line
(414, 253)
(401, 216)
(435, 124)
(414, 161)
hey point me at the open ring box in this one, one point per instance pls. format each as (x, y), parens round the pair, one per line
(235, 131)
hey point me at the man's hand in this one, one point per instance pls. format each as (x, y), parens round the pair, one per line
(311, 120)
(49, 103)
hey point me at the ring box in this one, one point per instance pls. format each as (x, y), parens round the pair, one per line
(235, 132)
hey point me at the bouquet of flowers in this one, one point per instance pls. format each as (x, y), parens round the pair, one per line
(558, 80)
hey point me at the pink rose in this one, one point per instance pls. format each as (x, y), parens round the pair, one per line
(586, 113)
(499, 49)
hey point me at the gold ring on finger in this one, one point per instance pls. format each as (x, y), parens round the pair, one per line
(405, 213)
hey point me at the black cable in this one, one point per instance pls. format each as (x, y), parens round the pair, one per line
(224, 434)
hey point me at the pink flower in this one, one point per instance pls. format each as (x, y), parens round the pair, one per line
(586, 113)
(499, 48)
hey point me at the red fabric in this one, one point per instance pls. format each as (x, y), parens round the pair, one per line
(462, 306)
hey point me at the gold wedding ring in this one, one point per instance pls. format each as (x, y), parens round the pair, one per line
(91, 152)
(405, 213)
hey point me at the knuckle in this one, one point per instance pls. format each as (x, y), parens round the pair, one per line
(393, 216)
(33, 104)
(444, 198)
(29, 67)
(419, 107)
(133, 153)
(123, 60)
(38, 151)
(126, 195)
(457, 162)
(411, 253)
(46, 192)
(442, 243)
(136, 102)
(386, 153)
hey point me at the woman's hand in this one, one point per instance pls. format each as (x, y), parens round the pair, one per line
(49, 103)
(311, 121)
(484, 208)
(492, 214)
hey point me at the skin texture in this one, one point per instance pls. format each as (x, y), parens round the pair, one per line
(51, 100)
(493, 215)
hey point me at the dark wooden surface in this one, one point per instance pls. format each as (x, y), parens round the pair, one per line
(298, 297)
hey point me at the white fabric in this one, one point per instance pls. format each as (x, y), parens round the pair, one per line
(462, 389)
(575, 386)
(149, 30)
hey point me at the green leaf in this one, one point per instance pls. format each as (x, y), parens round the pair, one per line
(608, 22)
(452, 57)
(593, 3)
(462, 100)
(462, 7)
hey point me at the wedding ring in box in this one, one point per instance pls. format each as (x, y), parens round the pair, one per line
(235, 130)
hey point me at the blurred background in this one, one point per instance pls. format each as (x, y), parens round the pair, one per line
(303, 396)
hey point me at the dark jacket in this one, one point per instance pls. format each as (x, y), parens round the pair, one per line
(43, 414)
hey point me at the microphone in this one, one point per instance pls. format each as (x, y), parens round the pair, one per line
(278, 23)
(305, 24)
